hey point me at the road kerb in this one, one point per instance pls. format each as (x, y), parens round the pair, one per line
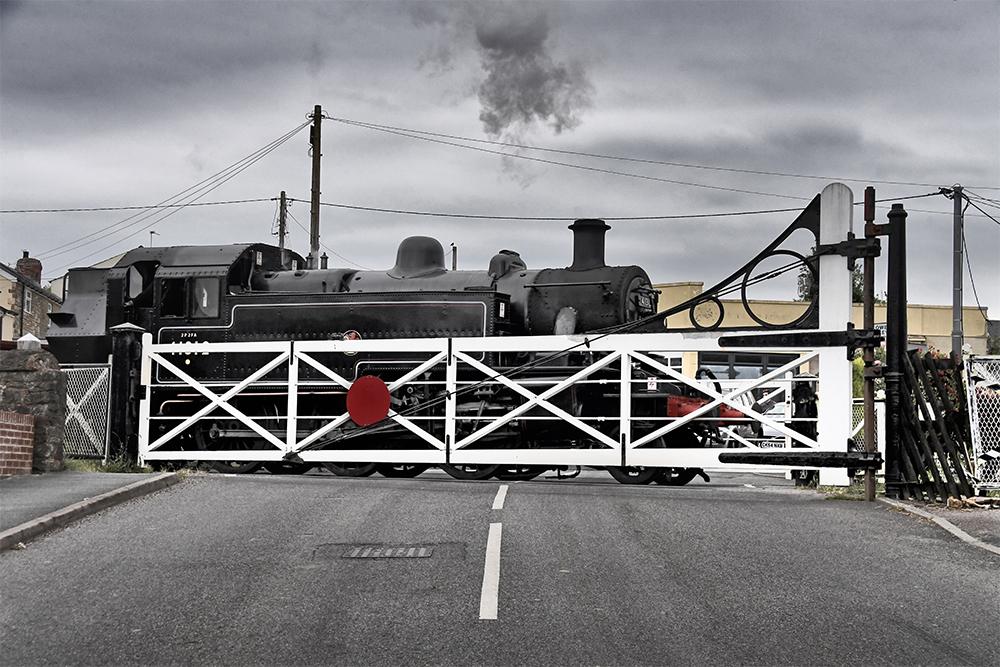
(31, 529)
(943, 523)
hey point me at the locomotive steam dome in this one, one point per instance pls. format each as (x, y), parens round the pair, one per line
(418, 256)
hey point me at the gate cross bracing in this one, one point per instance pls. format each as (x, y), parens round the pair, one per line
(88, 398)
(636, 363)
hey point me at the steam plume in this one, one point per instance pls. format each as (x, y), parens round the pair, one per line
(523, 83)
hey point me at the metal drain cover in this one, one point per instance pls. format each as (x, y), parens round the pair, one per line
(387, 551)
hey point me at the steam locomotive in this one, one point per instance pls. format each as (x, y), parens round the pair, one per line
(257, 292)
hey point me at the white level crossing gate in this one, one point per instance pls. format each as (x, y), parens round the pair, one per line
(437, 396)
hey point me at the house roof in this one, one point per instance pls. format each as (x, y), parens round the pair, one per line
(33, 284)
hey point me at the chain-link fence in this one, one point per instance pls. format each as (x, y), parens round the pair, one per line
(983, 391)
(858, 427)
(87, 399)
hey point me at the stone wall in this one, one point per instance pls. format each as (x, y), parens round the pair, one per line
(17, 437)
(31, 383)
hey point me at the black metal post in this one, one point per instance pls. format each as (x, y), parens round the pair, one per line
(895, 348)
(869, 350)
(123, 426)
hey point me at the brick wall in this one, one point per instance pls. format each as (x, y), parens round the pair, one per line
(17, 437)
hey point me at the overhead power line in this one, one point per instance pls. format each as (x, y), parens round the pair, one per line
(191, 194)
(622, 158)
(403, 133)
(322, 245)
(976, 206)
(552, 218)
(972, 279)
(571, 165)
(196, 192)
(135, 208)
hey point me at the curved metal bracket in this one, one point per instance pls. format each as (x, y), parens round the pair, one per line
(808, 219)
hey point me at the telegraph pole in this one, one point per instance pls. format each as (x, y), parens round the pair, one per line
(282, 221)
(956, 298)
(314, 140)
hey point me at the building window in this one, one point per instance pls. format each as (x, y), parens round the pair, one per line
(27, 301)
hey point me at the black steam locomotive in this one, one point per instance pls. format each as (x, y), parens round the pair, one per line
(256, 292)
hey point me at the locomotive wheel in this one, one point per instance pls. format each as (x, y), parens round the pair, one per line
(287, 467)
(401, 470)
(519, 473)
(350, 469)
(675, 476)
(235, 467)
(205, 441)
(634, 474)
(468, 471)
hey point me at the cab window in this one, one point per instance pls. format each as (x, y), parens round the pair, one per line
(204, 297)
(172, 297)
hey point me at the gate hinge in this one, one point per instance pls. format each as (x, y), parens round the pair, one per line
(853, 248)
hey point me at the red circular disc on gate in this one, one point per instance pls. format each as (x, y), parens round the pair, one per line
(368, 400)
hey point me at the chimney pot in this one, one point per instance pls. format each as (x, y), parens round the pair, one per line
(29, 267)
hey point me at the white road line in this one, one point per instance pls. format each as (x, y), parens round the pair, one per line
(501, 496)
(488, 597)
(944, 523)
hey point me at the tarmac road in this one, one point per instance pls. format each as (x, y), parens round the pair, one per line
(250, 569)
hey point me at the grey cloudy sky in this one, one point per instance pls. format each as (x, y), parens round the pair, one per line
(123, 103)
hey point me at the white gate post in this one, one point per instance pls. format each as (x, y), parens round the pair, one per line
(835, 400)
(145, 380)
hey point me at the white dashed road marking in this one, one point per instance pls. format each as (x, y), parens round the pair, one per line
(501, 496)
(489, 596)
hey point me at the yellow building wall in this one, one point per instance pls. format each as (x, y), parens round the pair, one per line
(927, 324)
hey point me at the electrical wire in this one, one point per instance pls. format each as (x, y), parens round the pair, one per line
(388, 129)
(985, 200)
(578, 166)
(685, 165)
(172, 211)
(982, 211)
(172, 201)
(135, 208)
(972, 280)
(322, 245)
(476, 216)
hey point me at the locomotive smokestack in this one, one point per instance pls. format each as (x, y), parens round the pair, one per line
(588, 244)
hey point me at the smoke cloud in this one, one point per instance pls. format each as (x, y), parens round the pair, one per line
(523, 83)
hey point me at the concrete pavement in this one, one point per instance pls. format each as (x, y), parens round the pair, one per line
(32, 504)
(253, 570)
